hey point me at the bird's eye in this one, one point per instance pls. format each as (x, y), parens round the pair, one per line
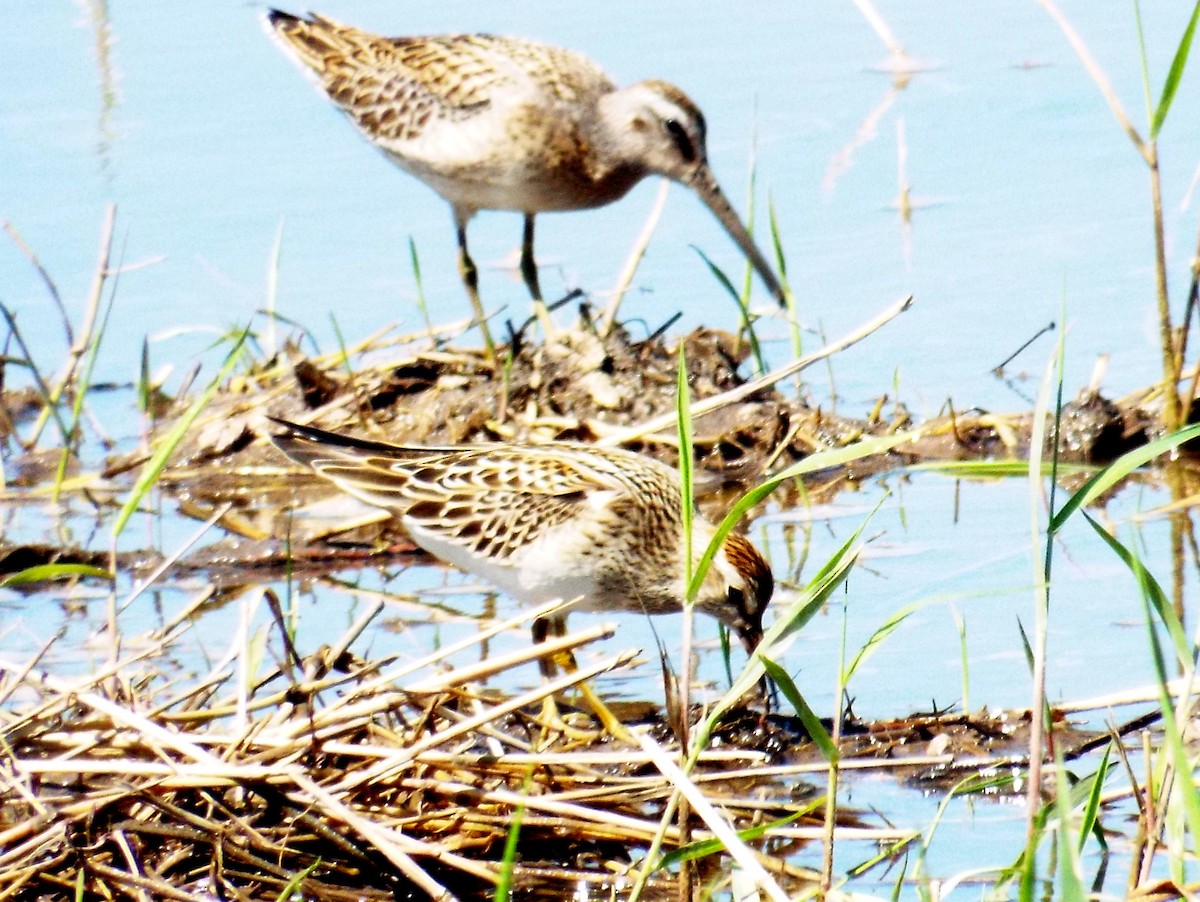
(737, 599)
(682, 142)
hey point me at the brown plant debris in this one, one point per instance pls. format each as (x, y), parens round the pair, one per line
(325, 777)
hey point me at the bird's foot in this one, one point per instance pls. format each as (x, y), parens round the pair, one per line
(552, 723)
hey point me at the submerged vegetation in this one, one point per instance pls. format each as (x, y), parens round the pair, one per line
(272, 757)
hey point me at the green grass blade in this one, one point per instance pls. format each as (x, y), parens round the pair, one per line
(1118, 470)
(508, 860)
(292, 890)
(821, 460)
(964, 659)
(144, 393)
(83, 385)
(777, 243)
(343, 347)
(48, 397)
(50, 572)
(1070, 881)
(704, 848)
(995, 469)
(812, 723)
(683, 413)
(1153, 593)
(747, 321)
(422, 305)
(974, 783)
(789, 297)
(154, 466)
(1172, 730)
(1025, 646)
(876, 639)
(1091, 812)
(1174, 74)
(783, 632)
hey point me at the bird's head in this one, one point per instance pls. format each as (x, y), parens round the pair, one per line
(737, 588)
(653, 128)
(660, 130)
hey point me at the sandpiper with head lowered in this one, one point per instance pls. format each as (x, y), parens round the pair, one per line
(497, 123)
(598, 526)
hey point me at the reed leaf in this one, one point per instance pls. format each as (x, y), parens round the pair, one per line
(1174, 74)
(166, 448)
(1118, 470)
(52, 572)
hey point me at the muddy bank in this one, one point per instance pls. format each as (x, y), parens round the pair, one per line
(581, 386)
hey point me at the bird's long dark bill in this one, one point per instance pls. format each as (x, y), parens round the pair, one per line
(704, 184)
(750, 637)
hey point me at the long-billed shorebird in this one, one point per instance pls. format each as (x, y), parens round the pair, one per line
(498, 123)
(600, 528)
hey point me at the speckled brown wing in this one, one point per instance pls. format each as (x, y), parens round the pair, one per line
(491, 499)
(395, 89)
(392, 88)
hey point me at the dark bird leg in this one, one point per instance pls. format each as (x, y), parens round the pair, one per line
(470, 277)
(530, 274)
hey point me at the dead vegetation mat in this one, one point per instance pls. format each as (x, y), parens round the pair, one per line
(327, 779)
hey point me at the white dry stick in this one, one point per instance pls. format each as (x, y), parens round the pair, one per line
(615, 436)
(387, 842)
(881, 27)
(636, 253)
(405, 756)
(1098, 76)
(720, 827)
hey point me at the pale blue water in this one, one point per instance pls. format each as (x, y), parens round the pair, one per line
(213, 139)
(1027, 194)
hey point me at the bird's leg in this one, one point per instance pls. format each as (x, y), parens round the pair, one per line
(530, 274)
(566, 660)
(470, 277)
(551, 718)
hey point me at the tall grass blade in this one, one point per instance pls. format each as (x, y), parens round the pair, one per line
(960, 625)
(1091, 812)
(1174, 741)
(812, 724)
(783, 632)
(1118, 470)
(781, 265)
(1155, 603)
(43, 388)
(821, 460)
(50, 572)
(144, 392)
(154, 466)
(683, 412)
(1174, 74)
(747, 320)
(421, 303)
(508, 860)
(974, 783)
(876, 639)
(1070, 880)
(83, 384)
(273, 291)
(1153, 592)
